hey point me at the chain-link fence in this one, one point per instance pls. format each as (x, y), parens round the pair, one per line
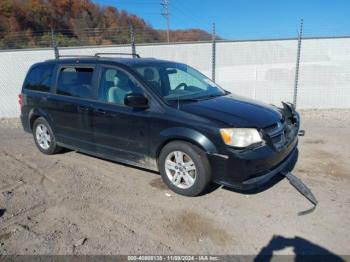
(96, 36)
(262, 69)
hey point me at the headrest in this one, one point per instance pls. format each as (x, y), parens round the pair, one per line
(148, 73)
(109, 75)
(121, 79)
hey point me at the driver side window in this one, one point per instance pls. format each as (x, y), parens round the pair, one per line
(175, 79)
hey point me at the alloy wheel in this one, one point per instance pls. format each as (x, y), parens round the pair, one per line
(180, 169)
(43, 136)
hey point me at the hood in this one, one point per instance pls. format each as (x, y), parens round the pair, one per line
(235, 111)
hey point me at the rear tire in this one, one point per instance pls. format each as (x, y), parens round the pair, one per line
(185, 168)
(44, 137)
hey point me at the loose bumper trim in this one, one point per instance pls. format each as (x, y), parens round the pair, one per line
(272, 173)
(222, 174)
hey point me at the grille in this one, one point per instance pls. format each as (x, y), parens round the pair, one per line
(275, 135)
(270, 128)
(277, 139)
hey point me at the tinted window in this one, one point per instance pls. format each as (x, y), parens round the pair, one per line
(39, 78)
(151, 76)
(115, 84)
(75, 81)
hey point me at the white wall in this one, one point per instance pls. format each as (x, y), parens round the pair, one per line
(263, 70)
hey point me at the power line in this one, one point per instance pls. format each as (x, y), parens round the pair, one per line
(190, 15)
(166, 14)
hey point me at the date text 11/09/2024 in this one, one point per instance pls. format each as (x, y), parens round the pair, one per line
(173, 258)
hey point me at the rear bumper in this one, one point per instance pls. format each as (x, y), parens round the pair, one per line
(25, 124)
(253, 168)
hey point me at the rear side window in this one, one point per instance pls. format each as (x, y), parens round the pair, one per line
(40, 78)
(75, 81)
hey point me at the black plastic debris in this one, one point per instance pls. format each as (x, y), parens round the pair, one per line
(304, 190)
(2, 211)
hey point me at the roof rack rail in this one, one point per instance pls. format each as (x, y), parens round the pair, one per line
(91, 56)
(133, 55)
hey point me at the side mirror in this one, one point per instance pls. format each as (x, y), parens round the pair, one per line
(136, 100)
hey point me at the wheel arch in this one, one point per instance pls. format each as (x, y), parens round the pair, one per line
(34, 114)
(186, 135)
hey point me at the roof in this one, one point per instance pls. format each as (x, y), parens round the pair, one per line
(119, 60)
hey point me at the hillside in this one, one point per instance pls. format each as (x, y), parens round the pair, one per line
(28, 23)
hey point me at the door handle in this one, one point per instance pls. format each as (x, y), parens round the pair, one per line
(83, 108)
(100, 111)
(105, 113)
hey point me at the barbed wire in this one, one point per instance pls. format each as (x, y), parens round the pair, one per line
(121, 35)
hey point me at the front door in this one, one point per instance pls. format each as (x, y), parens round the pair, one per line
(120, 131)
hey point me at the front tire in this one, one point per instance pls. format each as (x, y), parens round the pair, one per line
(44, 137)
(185, 168)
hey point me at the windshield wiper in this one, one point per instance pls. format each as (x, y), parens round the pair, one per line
(183, 100)
(196, 99)
(210, 96)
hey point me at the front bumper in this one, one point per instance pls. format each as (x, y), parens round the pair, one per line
(252, 168)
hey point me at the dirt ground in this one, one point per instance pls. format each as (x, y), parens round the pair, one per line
(72, 203)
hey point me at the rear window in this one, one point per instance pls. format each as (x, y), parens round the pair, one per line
(40, 78)
(75, 81)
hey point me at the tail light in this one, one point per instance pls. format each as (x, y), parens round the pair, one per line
(20, 100)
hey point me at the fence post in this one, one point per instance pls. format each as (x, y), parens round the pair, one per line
(54, 44)
(300, 34)
(213, 55)
(132, 41)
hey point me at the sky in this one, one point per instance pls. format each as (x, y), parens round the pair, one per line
(246, 19)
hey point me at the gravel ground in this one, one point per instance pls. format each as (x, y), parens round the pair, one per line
(72, 203)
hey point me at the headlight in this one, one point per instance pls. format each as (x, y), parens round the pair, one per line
(240, 137)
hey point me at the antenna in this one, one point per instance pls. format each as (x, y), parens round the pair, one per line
(166, 14)
(178, 102)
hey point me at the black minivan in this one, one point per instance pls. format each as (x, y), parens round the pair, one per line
(159, 115)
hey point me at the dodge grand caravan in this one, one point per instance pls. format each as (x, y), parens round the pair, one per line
(159, 115)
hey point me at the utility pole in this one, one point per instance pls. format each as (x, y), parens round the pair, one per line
(166, 14)
(300, 35)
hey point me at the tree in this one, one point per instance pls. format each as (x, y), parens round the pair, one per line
(28, 23)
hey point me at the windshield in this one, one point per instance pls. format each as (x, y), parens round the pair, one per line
(175, 81)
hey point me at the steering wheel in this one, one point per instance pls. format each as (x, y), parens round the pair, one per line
(181, 85)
